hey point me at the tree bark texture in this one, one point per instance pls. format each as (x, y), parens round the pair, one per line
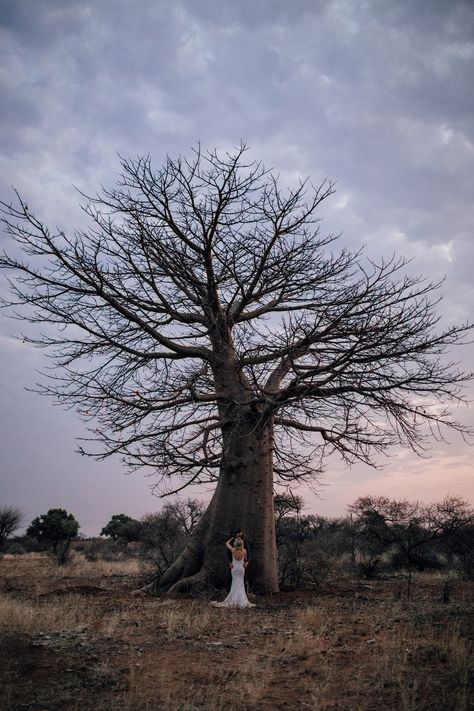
(243, 499)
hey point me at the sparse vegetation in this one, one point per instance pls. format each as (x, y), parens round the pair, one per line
(332, 640)
(159, 536)
(380, 537)
(411, 531)
(349, 643)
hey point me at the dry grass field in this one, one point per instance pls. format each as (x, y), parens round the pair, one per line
(78, 638)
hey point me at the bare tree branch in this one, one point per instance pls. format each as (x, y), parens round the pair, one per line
(203, 297)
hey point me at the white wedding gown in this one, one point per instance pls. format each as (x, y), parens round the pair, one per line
(237, 596)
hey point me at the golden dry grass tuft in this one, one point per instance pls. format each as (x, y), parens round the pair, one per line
(44, 566)
(190, 620)
(33, 617)
(60, 614)
(230, 686)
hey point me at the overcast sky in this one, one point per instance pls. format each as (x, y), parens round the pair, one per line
(375, 94)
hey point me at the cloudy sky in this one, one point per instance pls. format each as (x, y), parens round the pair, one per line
(374, 94)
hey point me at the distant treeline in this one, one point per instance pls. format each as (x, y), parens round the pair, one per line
(379, 536)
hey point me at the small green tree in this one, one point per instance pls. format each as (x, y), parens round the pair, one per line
(55, 530)
(122, 528)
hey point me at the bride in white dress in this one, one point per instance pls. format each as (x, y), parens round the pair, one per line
(237, 596)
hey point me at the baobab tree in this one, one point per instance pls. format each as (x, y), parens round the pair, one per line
(210, 331)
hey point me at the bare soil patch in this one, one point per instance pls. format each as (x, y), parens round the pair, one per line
(78, 638)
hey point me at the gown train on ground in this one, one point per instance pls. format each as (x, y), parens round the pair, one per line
(237, 596)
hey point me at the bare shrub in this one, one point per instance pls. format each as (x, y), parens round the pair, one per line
(10, 520)
(304, 557)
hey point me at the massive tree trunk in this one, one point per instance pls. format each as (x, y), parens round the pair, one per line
(243, 499)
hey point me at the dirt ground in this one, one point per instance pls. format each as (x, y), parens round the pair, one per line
(79, 638)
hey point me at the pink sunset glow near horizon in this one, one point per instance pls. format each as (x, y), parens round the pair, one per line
(377, 96)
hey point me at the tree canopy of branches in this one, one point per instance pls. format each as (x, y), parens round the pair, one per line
(287, 504)
(10, 520)
(211, 331)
